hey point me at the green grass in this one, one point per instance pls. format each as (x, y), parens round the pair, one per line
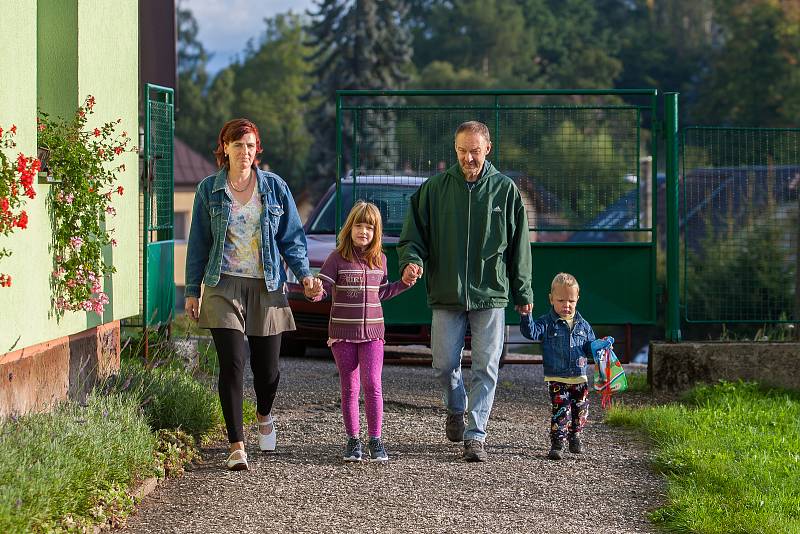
(72, 463)
(72, 468)
(169, 396)
(637, 382)
(731, 456)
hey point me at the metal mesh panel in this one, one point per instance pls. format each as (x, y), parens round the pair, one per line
(740, 224)
(158, 282)
(582, 162)
(577, 166)
(161, 172)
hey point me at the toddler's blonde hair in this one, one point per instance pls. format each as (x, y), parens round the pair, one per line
(565, 279)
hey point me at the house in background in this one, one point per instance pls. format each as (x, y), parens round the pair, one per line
(54, 54)
(190, 169)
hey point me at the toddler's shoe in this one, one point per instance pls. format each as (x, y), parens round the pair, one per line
(237, 461)
(353, 451)
(575, 445)
(267, 442)
(556, 451)
(376, 451)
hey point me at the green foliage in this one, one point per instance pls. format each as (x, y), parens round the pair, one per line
(759, 263)
(69, 468)
(593, 166)
(13, 189)
(169, 396)
(276, 103)
(358, 45)
(753, 79)
(733, 61)
(729, 454)
(82, 161)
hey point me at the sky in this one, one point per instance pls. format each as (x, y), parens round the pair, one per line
(225, 26)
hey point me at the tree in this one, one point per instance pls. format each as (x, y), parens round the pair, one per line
(753, 79)
(359, 44)
(273, 80)
(489, 37)
(191, 116)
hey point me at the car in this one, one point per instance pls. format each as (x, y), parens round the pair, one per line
(407, 315)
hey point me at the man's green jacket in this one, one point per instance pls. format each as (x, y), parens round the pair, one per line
(473, 243)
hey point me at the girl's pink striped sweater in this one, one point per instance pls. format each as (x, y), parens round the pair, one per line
(356, 291)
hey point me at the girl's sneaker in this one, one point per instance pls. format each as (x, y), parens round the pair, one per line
(353, 451)
(376, 451)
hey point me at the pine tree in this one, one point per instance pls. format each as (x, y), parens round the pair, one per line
(191, 116)
(360, 44)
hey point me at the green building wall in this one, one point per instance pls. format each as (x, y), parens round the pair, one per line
(60, 51)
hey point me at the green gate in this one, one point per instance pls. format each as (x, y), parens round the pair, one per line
(583, 161)
(158, 280)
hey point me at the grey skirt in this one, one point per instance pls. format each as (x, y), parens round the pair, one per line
(244, 304)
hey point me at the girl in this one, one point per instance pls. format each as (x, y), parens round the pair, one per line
(355, 276)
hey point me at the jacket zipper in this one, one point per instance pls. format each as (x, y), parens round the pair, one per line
(466, 263)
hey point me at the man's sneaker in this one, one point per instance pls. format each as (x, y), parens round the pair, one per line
(473, 451)
(454, 427)
(575, 445)
(376, 451)
(353, 450)
(556, 450)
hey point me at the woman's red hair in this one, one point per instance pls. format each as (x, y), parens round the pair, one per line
(233, 130)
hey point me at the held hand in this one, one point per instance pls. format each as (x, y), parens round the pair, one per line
(408, 278)
(602, 343)
(192, 307)
(412, 270)
(524, 309)
(312, 287)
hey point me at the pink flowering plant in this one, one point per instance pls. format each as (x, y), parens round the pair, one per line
(16, 186)
(80, 202)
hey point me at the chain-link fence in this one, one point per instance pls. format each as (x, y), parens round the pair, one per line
(740, 210)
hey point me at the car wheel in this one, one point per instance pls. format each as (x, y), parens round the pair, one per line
(292, 348)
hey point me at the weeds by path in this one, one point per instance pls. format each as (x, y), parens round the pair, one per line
(731, 455)
(70, 467)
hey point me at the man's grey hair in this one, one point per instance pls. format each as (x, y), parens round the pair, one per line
(474, 127)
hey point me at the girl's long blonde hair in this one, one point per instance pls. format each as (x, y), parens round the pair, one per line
(362, 212)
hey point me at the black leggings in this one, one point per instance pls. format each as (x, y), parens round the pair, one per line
(231, 351)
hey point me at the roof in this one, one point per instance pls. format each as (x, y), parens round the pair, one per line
(190, 166)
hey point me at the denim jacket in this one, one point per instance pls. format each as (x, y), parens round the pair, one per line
(281, 232)
(564, 353)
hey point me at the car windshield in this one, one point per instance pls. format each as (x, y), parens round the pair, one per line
(391, 199)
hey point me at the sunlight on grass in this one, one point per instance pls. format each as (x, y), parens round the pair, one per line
(731, 455)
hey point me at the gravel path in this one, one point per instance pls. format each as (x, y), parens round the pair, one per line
(425, 487)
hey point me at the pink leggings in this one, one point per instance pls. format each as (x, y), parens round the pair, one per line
(364, 359)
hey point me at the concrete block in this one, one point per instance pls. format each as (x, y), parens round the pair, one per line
(679, 366)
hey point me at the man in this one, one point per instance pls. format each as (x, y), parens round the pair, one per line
(468, 227)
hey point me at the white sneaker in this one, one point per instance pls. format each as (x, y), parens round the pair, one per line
(237, 461)
(267, 442)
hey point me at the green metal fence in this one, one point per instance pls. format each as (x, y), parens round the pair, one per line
(740, 215)
(581, 159)
(158, 281)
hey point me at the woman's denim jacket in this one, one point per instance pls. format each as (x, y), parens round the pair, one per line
(564, 353)
(281, 232)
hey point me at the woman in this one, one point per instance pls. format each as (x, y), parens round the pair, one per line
(243, 221)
